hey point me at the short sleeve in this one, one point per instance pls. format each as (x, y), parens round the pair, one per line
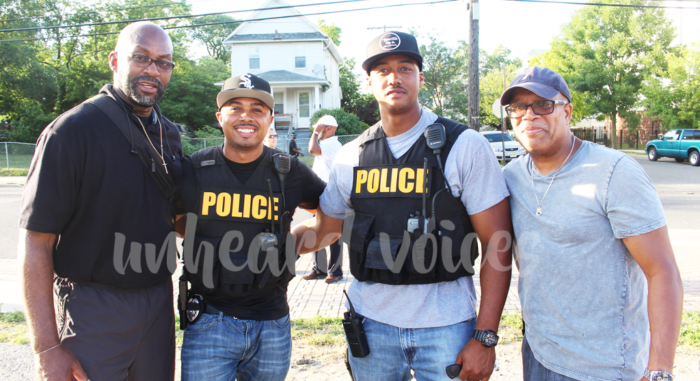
(312, 185)
(335, 201)
(53, 184)
(473, 170)
(632, 204)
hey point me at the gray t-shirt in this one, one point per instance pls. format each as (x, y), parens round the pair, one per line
(583, 295)
(472, 166)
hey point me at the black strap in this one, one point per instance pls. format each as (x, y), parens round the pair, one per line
(142, 147)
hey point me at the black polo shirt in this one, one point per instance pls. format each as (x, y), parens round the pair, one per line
(86, 186)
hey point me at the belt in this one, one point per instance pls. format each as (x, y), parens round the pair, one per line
(213, 311)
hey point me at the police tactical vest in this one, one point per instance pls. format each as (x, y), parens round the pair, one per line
(386, 193)
(231, 215)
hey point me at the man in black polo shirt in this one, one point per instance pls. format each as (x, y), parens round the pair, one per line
(89, 207)
(293, 149)
(240, 197)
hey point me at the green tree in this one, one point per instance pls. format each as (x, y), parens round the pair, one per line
(331, 30)
(365, 106)
(673, 95)
(212, 36)
(445, 79)
(348, 124)
(191, 95)
(606, 53)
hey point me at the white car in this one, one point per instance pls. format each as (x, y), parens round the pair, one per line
(513, 149)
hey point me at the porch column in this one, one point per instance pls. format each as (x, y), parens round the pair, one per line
(317, 100)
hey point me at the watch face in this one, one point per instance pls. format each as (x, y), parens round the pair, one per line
(490, 339)
(661, 376)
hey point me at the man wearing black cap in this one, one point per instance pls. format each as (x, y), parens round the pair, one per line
(240, 197)
(418, 313)
(591, 233)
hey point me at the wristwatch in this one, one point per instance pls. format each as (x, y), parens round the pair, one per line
(657, 375)
(488, 338)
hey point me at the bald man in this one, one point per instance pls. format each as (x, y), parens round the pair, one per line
(99, 306)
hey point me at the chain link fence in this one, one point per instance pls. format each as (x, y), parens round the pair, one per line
(15, 158)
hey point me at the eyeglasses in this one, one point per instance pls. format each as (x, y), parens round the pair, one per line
(145, 61)
(272, 136)
(519, 110)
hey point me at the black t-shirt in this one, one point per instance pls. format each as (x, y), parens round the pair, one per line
(293, 144)
(243, 171)
(86, 186)
(302, 188)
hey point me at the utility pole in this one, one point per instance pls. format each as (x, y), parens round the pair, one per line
(473, 69)
(383, 27)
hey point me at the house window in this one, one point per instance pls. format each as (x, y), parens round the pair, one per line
(254, 57)
(279, 103)
(299, 56)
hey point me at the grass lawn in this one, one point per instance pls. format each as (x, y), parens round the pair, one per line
(326, 331)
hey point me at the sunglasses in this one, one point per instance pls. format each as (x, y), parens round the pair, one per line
(519, 110)
(272, 136)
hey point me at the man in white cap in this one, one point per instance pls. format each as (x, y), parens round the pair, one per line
(324, 145)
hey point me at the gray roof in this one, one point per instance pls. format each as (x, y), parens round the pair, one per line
(273, 36)
(287, 76)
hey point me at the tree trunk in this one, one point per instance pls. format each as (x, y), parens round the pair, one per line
(613, 129)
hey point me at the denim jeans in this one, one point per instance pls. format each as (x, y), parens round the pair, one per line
(534, 371)
(395, 351)
(222, 348)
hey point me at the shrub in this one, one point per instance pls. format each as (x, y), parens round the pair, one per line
(348, 124)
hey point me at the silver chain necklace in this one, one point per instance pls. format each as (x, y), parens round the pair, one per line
(532, 176)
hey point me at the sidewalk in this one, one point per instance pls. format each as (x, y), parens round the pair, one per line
(19, 180)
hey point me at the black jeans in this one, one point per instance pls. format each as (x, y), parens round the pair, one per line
(335, 266)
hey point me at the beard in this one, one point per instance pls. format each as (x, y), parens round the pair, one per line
(129, 87)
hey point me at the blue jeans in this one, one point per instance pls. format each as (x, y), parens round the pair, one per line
(395, 351)
(534, 371)
(221, 348)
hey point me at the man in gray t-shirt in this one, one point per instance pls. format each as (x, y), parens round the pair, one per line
(414, 322)
(590, 234)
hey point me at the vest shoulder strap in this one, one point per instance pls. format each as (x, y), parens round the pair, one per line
(206, 157)
(372, 133)
(452, 128)
(145, 151)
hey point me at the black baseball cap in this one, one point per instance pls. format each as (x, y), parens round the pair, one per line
(246, 86)
(391, 43)
(541, 81)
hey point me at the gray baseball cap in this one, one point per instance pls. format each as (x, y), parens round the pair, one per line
(541, 81)
(246, 86)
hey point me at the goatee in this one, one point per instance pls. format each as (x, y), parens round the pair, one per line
(130, 88)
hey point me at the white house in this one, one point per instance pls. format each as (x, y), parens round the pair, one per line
(298, 60)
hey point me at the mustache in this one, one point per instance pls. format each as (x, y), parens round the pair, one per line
(536, 124)
(147, 78)
(398, 87)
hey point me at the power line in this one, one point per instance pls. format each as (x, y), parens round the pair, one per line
(96, 11)
(241, 21)
(604, 4)
(173, 17)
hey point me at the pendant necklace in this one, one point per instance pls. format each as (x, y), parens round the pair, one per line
(162, 157)
(532, 176)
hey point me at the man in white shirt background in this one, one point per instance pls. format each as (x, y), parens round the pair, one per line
(324, 145)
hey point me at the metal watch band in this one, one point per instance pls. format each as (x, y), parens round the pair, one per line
(658, 375)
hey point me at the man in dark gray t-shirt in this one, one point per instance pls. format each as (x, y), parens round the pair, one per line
(590, 234)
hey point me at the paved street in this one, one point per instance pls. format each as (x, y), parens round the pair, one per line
(678, 186)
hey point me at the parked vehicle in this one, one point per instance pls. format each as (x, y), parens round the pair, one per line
(513, 149)
(679, 144)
